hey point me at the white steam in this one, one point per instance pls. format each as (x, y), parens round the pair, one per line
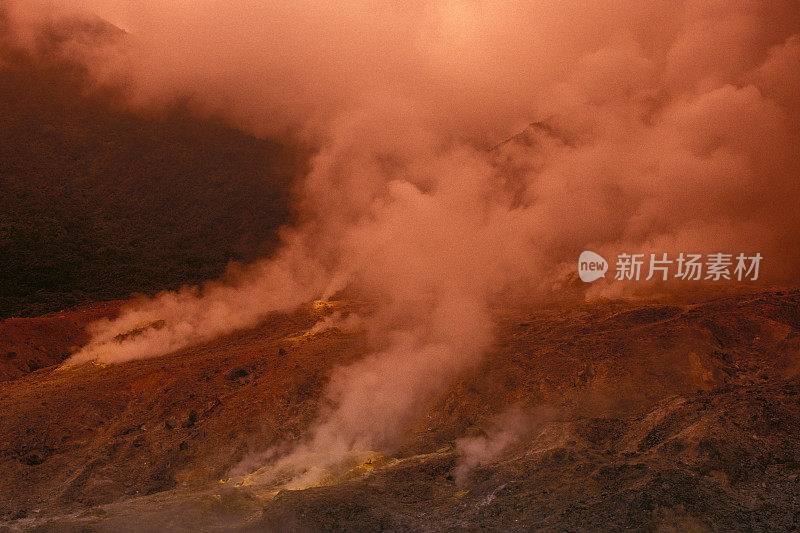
(661, 126)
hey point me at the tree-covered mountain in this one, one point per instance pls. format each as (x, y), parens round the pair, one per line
(97, 201)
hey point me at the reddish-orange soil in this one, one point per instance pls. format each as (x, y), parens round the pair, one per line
(641, 415)
(28, 344)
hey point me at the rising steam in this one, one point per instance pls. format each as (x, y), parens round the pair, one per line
(655, 126)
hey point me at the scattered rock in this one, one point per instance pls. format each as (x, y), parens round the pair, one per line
(156, 324)
(238, 373)
(192, 420)
(211, 406)
(32, 459)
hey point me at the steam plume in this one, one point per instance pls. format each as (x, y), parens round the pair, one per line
(660, 126)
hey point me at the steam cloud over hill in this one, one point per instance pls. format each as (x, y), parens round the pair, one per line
(655, 127)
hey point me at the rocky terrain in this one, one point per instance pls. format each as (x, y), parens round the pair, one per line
(610, 414)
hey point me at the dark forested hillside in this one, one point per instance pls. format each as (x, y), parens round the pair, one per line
(97, 202)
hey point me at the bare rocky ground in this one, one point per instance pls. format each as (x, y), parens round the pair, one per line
(642, 415)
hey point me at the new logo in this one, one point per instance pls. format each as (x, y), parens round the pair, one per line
(591, 266)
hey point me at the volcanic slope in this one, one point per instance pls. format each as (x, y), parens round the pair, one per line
(608, 414)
